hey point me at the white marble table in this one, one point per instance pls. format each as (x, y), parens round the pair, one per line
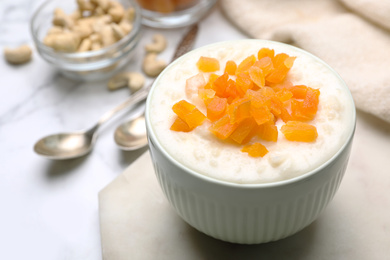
(49, 209)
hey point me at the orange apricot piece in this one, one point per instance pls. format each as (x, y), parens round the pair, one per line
(261, 114)
(267, 131)
(265, 52)
(182, 108)
(239, 110)
(195, 118)
(311, 100)
(211, 80)
(244, 82)
(220, 84)
(299, 131)
(222, 128)
(207, 64)
(298, 91)
(246, 64)
(265, 64)
(257, 76)
(206, 94)
(243, 130)
(255, 150)
(216, 108)
(189, 113)
(231, 67)
(232, 92)
(179, 125)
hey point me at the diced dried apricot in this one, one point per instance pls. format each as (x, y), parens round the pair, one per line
(284, 94)
(243, 130)
(298, 91)
(310, 103)
(299, 131)
(289, 62)
(193, 84)
(222, 128)
(216, 108)
(265, 64)
(255, 150)
(189, 113)
(257, 76)
(195, 118)
(246, 64)
(267, 131)
(285, 115)
(261, 114)
(220, 85)
(265, 52)
(239, 110)
(232, 92)
(206, 94)
(207, 64)
(244, 82)
(211, 80)
(231, 67)
(183, 108)
(179, 125)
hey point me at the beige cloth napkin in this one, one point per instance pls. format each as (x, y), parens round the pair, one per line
(353, 36)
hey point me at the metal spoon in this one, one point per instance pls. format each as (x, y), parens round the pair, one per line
(131, 135)
(63, 146)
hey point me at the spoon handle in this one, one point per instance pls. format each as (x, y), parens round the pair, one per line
(183, 47)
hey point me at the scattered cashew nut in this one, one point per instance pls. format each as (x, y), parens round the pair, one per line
(133, 80)
(159, 44)
(18, 55)
(151, 66)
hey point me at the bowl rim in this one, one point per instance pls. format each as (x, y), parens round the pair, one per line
(307, 175)
(133, 35)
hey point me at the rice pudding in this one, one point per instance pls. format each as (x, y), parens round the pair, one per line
(202, 152)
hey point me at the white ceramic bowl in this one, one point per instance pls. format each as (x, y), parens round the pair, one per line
(247, 213)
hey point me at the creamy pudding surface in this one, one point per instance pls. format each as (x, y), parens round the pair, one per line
(202, 152)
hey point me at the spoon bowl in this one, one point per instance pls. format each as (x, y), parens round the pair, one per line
(131, 135)
(65, 145)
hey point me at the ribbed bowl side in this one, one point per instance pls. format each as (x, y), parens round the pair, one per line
(249, 225)
(248, 215)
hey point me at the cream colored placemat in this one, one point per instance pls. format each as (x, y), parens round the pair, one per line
(138, 223)
(353, 36)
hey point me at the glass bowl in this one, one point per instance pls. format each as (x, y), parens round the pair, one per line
(91, 65)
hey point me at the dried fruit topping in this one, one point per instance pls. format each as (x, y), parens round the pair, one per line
(244, 103)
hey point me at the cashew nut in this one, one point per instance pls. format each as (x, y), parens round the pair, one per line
(128, 15)
(103, 4)
(118, 31)
(107, 35)
(86, 5)
(116, 13)
(136, 81)
(126, 26)
(96, 46)
(61, 19)
(85, 45)
(133, 80)
(82, 30)
(151, 66)
(18, 55)
(66, 42)
(55, 29)
(159, 44)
